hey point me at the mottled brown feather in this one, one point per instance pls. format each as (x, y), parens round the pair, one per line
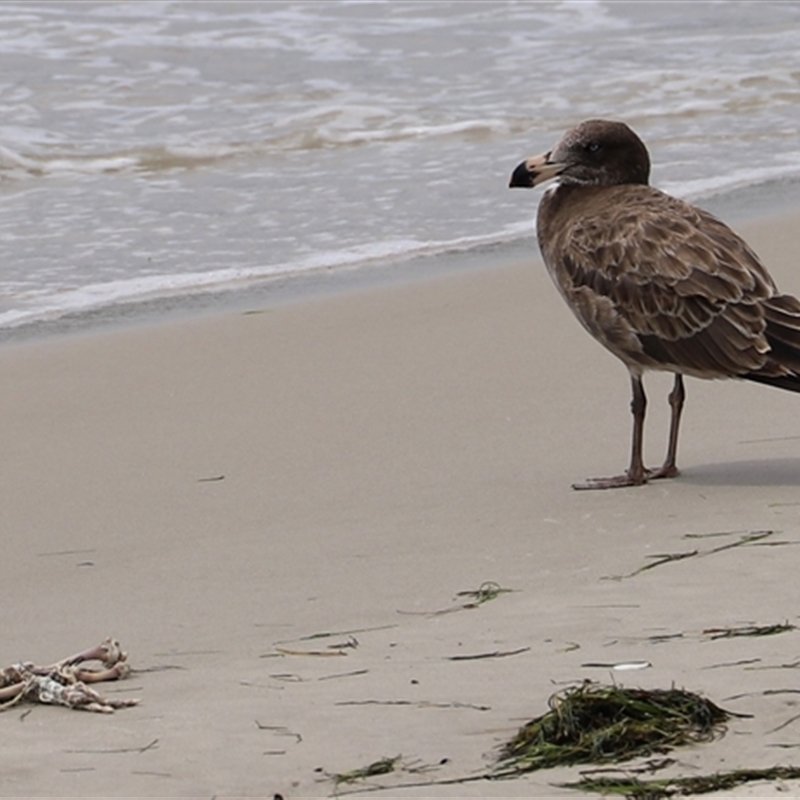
(670, 272)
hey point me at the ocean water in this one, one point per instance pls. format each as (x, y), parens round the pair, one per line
(163, 148)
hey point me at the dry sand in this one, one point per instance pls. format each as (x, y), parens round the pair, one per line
(375, 453)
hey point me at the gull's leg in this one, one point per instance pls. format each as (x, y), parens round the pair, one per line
(669, 469)
(636, 474)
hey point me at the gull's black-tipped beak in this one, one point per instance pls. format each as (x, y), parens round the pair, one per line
(535, 170)
(521, 177)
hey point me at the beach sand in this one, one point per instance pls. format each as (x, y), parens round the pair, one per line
(269, 508)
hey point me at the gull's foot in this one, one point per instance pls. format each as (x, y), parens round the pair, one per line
(615, 482)
(628, 479)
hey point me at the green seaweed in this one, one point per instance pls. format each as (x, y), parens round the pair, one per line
(595, 724)
(658, 788)
(488, 590)
(381, 767)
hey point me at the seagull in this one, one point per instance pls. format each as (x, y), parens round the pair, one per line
(660, 283)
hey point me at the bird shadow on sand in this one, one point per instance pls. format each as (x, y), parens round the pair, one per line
(752, 472)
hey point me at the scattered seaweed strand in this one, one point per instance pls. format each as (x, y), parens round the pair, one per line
(381, 767)
(492, 654)
(785, 724)
(667, 558)
(488, 590)
(745, 539)
(748, 630)
(656, 788)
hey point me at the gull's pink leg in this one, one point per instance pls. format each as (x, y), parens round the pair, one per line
(636, 474)
(669, 469)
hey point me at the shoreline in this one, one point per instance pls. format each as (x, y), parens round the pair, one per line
(271, 292)
(772, 200)
(275, 514)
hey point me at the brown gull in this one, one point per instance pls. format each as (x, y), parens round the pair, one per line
(661, 283)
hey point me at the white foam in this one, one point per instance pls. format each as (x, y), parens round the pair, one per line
(38, 305)
(738, 178)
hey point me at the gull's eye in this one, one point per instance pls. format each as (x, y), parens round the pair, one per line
(593, 147)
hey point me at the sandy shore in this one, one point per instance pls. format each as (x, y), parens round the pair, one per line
(214, 492)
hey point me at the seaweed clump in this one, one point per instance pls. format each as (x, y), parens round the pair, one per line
(596, 724)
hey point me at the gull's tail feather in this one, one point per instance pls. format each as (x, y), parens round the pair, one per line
(790, 382)
(782, 314)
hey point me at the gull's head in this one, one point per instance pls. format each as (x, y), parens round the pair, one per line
(597, 152)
